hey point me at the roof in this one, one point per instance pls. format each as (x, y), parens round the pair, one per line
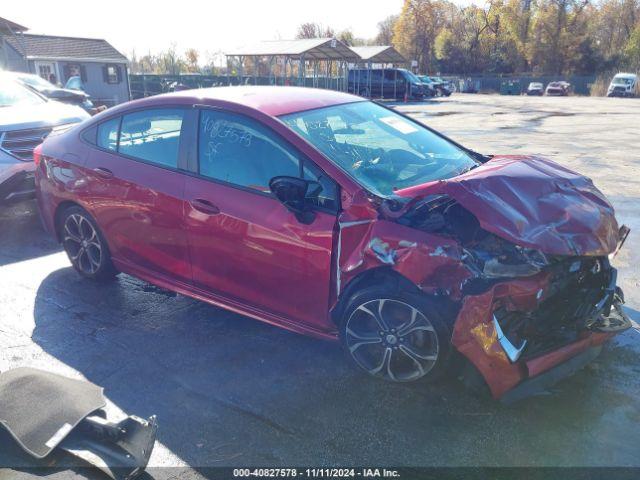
(311, 48)
(270, 100)
(9, 27)
(57, 48)
(379, 54)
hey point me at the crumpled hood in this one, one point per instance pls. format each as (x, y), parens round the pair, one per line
(535, 203)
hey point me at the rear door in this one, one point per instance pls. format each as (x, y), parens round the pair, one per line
(135, 190)
(245, 245)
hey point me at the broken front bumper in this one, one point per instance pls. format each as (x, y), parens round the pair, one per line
(509, 373)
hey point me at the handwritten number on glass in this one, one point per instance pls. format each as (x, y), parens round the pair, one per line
(221, 132)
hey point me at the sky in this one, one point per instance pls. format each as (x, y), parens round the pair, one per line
(208, 26)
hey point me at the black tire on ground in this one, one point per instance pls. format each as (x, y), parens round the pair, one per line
(85, 245)
(395, 334)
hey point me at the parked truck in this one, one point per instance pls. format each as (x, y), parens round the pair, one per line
(623, 85)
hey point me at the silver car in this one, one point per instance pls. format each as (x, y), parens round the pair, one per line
(26, 118)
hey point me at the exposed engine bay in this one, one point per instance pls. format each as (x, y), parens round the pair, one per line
(579, 294)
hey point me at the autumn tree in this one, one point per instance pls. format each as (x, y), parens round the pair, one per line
(191, 60)
(417, 27)
(314, 30)
(385, 30)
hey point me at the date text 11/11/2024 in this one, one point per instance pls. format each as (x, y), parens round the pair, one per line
(316, 473)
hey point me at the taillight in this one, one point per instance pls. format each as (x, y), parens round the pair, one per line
(37, 155)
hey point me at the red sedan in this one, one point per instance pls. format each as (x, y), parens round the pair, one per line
(336, 217)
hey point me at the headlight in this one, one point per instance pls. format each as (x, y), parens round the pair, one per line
(494, 257)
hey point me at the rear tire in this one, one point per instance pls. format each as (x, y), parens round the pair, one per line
(85, 245)
(395, 334)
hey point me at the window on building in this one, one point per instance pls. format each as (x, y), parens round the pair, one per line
(112, 74)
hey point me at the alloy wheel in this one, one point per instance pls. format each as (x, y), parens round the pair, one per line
(82, 243)
(392, 340)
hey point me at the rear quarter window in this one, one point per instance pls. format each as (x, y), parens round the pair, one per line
(107, 136)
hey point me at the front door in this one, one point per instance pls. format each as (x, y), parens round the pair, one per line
(134, 190)
(245, 245)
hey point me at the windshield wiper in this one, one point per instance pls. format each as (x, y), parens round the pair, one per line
(465, 170)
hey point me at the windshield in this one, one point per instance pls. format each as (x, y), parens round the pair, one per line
(36, 82)
(622, 81)
(382, 150)
(12, 94)
(409, 76)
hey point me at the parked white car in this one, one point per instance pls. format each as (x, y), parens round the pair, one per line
(26, 118)
(623, 85)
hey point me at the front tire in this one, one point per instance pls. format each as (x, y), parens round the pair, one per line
(85, 245)
(395, 336)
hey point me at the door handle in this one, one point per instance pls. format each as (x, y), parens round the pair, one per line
(103, 172)
(204, 206)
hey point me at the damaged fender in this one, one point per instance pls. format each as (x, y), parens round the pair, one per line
(431, 262)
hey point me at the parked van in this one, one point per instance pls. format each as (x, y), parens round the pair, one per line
(385, 83)
(623, 85)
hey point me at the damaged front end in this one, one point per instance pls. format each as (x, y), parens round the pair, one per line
(521, 247)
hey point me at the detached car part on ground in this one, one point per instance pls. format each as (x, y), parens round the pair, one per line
(26, 118)
(339, 218)
(45, 412)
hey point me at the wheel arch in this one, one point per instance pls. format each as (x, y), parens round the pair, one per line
(373, 276)
(57, 216)
(395, 281)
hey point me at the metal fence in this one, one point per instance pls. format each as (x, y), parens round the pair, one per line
(145, 85)
(581, 84)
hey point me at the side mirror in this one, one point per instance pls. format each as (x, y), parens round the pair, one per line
(296, 194)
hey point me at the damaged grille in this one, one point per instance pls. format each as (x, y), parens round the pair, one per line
(20, 143)
(577, 285)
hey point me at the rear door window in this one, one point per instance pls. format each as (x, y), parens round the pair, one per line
(152, 135)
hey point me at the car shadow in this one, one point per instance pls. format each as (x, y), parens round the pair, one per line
(231, 391)
(21, 234)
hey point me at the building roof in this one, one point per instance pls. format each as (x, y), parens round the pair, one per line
(58, 48)
(311, 48)
(379, 54)
(8, 27)
(270, 100)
